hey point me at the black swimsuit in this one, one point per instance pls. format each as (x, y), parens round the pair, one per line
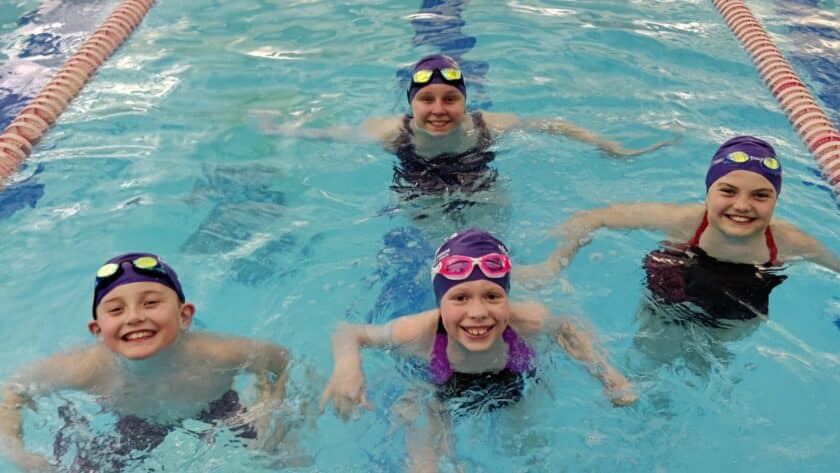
(468, 393)
(134, 436)
(724, 291)
(468, 171)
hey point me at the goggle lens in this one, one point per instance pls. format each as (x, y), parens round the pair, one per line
(423, 76)
(107, 270)
(456, 267)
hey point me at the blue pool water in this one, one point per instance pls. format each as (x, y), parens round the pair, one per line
(282, 239)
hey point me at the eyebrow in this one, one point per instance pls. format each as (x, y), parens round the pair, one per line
(142, 294)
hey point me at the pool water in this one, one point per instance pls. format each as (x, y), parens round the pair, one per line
(281, 238)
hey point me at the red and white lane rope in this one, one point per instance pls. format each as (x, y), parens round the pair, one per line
(18, 138)
(804, 113)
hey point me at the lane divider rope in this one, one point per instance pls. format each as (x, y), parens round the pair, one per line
(807, 117)
(18, 139)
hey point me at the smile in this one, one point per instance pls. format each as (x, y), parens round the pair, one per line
(141, 334)
(477, 331)
(740, 218)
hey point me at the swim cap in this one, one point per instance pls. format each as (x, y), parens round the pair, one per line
(473, 243)
(128, 272)
(436, 61)
(754, 148)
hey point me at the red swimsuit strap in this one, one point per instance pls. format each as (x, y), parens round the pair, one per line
(768, 237)
(695, 241)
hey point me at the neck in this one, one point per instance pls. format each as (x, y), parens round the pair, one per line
(751, 249)
(468, 361)
(458, 140)
(160, 363)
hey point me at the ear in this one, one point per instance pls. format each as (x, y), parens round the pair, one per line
(93, 328)
(186, 316)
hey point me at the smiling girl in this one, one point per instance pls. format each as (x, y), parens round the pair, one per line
(475, 343)
(731, 246)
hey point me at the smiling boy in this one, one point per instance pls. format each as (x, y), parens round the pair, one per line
(149, 369)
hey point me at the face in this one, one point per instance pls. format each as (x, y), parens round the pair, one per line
(740, 204)
(438, 109)
(475, 313)
(141, 319)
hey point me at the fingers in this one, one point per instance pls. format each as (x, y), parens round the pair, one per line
(624, 399)
(345, 405)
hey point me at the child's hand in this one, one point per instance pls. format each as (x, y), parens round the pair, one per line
(619, 390)
(346, 390)
(34, 463)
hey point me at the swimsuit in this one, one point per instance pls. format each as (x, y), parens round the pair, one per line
(471, 392)
(134, 437)
(468, 171)
(723, 291)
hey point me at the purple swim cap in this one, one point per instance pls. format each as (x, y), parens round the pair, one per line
(127, 272)
(754, 148)
(436, 62)
(473, 243)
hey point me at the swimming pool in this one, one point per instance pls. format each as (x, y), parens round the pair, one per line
(281, 238)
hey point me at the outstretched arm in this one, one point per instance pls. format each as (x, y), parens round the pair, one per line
(794, 243)
(677, 221)
(530, 318)
(382, 130)
(346, 388)
(561, 127)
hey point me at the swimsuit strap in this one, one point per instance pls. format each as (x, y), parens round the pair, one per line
(439, 365)
(771, 245)
(406, 133)
(768, 237)
(520, 355)
(484, 139)
(695, 241)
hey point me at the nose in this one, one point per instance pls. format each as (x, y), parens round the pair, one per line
(135, 315)
(742, 202)
(437, 107)
(476, 309)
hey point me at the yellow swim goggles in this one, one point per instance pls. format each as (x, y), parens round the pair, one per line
(740, 157)
(449, 74)
(143, 263)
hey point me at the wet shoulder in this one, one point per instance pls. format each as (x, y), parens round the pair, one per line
(500, 122)
(415, 334)
(383, 129)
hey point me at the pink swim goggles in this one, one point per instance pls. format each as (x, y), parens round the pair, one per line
(458, 267)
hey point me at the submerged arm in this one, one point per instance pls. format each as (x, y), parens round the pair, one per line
(561, 127)
(576, 232)
(65, 371)
(579, 345)
(382, 130)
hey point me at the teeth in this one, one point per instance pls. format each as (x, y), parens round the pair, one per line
(739, 218)
(137, 335)
(476, 331)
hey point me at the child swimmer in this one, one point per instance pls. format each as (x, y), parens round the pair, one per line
(474, 342)
(149, 369)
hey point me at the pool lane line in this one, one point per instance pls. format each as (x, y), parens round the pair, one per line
(18, 139)
(807, 117)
